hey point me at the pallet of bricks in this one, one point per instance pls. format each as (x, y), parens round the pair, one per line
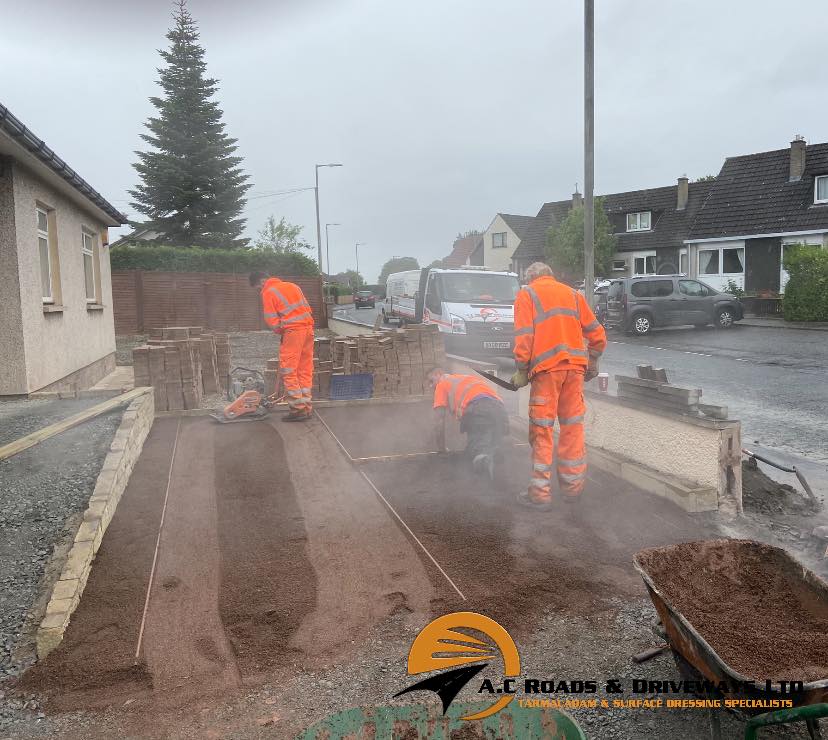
(397, 359)
(182, 364)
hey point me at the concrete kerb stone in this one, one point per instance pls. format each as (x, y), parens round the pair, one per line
(112, 481)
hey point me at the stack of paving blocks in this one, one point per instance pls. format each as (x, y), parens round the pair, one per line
(182, 363)
(397, 359)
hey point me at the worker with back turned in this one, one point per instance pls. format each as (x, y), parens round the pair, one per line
(558, 342)
(480, 411)
(288, 313)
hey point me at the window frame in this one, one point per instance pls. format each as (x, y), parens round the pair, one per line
(623, 264)
(505, 240)
(644, 256)
(41, 234)
(720, 271)
(638, 227)
(87, 233)
(817, 199)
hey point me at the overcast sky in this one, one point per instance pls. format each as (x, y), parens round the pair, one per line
(443, 112)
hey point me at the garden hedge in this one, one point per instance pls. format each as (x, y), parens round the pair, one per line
(806, 293)
(193, 259)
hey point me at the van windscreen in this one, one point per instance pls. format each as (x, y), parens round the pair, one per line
(478, 288)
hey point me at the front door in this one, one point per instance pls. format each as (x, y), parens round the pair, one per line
(763, 260)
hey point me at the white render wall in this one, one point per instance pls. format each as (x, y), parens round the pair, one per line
(500, 258)
(60, 343)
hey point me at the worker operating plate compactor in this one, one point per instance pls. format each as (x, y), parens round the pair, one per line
(248, 401)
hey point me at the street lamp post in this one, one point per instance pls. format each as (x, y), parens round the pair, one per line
(318, 226)
(356, 249)
(328, 248)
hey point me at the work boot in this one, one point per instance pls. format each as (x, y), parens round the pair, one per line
(524, 499)
(297, 416)
(483, 465)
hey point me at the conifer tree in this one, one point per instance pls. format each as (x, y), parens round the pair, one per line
(192, 186)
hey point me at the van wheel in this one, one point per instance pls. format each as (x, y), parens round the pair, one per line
(724, 319)
(641, 325)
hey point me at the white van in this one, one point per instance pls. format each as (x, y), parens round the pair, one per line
(474, 307)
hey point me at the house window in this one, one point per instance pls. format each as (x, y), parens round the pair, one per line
(619, 265)
(638, 221)
(45, 256)
(821, 189)
(726, 261)
(90, 266)
(683, 262)
(499, 240)
(645, 265)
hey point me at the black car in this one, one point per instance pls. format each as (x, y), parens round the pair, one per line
(364, 298)
(638, 304)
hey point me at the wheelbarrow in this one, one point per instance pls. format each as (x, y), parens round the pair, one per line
(426, 722)
(696, 659)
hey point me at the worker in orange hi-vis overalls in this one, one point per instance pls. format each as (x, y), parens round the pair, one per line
(558, 342)
(288, 313)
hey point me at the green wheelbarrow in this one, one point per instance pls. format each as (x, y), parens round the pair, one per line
(426, 722)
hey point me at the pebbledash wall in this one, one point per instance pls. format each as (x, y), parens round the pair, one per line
(71, 343)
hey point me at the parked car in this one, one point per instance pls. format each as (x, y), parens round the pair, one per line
(638, 304)
(364, 298)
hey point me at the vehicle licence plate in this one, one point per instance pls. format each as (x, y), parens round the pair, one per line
(495, 345)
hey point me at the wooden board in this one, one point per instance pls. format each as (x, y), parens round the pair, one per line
(30, 440)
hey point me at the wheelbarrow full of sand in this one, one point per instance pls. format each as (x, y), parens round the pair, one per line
(749, 622)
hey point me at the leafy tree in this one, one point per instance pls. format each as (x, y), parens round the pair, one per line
(436, 263)
(280, 237)
(355, 280)
(565, 243)
(470, 232)
(706, 178)
(397, 264)
(192, 188)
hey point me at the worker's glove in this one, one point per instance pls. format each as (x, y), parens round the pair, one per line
(592, 370)
(520, 379)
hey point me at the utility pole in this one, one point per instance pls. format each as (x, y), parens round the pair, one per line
(589, 150)
(318, 225)
(356, 249)
(328, 248)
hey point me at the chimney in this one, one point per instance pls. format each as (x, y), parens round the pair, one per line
(577, 198)
(682, 193)
(797, 158)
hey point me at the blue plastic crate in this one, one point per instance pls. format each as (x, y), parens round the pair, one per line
(350, 387)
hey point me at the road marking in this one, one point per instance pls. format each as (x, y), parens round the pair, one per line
(157, 544)
(664, 349)
(390, 508)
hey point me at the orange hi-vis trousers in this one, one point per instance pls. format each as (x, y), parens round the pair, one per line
(557, 394)
(296, 367)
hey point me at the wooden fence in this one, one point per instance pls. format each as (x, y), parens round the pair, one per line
(144, 300)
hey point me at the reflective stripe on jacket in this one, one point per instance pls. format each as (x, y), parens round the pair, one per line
(285, 306)
(555, 328)
(456, 391)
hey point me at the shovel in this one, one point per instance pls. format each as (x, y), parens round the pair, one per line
(498, 381)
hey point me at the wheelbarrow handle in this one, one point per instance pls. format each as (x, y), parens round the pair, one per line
(809, 713)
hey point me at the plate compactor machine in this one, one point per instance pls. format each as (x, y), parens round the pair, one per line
(248, 402)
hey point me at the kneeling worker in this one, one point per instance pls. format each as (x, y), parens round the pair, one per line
(288, 313)
(480, 411)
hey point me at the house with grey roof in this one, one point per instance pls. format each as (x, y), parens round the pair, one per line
(734, 227)
(759, 205)
(57, 329)
(650, 227)
(502, 238)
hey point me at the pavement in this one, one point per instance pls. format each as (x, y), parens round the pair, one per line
(780, 323)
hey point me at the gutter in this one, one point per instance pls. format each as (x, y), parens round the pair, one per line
(12, 126)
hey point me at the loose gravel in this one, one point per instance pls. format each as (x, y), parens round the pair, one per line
(43, 493)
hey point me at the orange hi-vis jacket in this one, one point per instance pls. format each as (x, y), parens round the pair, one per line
(285, 306)
(554, 325)
(456, 391)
